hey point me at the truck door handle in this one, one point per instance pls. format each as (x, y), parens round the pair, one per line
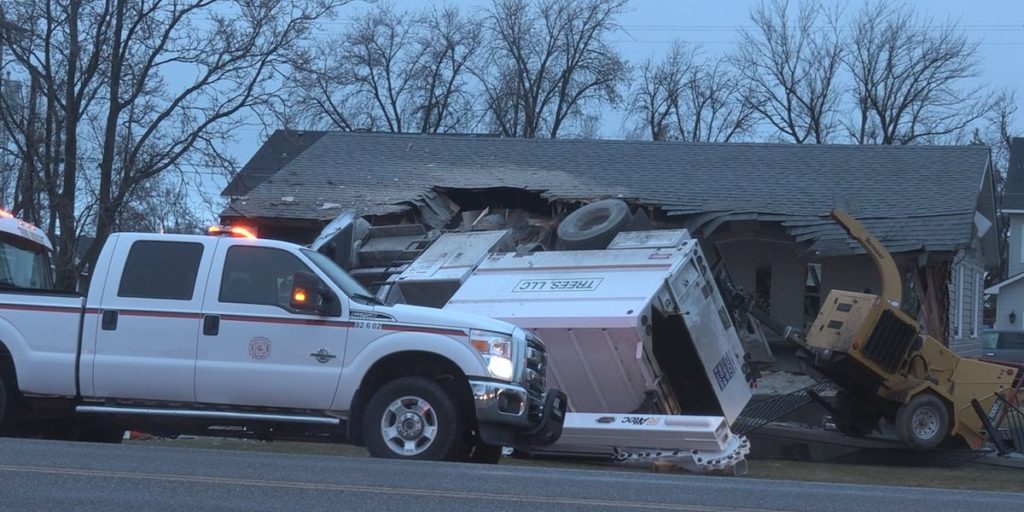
(109, 322)
(211, 325)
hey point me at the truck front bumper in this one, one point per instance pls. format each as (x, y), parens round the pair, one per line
(507, 416)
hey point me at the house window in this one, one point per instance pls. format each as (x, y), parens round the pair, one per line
(976, 310)
(958, 309)
(763, 287)
(812, 293)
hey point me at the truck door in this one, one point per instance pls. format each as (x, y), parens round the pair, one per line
(149, 319)
(254, 348)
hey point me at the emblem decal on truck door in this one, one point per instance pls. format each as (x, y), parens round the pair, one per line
(322, 356)
(259, 348)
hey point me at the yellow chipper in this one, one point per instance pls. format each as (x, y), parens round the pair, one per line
(885, 367)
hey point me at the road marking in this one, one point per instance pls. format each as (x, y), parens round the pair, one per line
(375, 489)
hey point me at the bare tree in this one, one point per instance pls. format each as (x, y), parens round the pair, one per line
(134, 88)
(909, 77)
(791, 62)
(450, 42)
(395, 71)
(658, 92)
(547, 62)
(689, 97)
(161, 205)
(717, 108)
(1000, 119)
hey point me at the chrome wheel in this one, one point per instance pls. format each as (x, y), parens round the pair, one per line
(409, 426)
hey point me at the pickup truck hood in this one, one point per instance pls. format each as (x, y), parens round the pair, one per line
(406, 314)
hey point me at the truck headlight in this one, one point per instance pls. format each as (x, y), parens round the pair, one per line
(496, 350)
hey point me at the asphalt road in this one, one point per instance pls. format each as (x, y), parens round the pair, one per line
(51, 475)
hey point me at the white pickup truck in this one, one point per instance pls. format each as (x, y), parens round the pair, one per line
(181, 334)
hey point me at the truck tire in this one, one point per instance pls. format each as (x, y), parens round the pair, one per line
(9, 404)
(593, 226)
(923, 422)
(413, 418)
(855, 420)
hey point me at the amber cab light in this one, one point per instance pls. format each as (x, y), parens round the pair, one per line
(235, 231)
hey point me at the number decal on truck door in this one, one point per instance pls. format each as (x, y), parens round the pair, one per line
(359, 324)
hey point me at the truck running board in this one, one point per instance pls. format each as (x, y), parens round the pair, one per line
(220, 415)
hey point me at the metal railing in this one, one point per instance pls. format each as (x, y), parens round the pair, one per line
(760, 413)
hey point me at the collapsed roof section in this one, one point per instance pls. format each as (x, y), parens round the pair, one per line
(913, 197)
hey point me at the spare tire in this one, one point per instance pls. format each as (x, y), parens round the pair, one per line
(594, 225)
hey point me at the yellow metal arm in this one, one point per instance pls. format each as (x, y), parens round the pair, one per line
(892, 285)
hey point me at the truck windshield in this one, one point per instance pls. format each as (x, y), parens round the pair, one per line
(347, 283)
(24, 264)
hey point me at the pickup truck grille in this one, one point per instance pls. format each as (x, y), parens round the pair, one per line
(534, 376)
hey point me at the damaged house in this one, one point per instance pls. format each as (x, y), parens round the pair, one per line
(764, 207)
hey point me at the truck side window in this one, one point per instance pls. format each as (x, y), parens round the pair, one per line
(161, 270)
(259, 275)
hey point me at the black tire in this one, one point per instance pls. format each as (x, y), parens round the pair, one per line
(593, 226)
(417, 413)
(855, 420)
(10, 406)
(923, 422)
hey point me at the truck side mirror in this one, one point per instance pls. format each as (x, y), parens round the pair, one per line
(310, 296)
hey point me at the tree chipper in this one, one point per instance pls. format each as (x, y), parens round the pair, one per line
(885, 367)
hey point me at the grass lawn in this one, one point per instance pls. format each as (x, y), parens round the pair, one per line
(971, 476)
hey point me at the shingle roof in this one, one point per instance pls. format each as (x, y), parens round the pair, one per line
(1013, 195)
(911, 197)
(279, 149)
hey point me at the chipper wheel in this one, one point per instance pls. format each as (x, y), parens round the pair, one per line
(923, 422)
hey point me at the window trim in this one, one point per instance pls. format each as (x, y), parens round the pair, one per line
(976, 310)
(1020, 243)
(224, 275)
(119, 292)
(959, 309)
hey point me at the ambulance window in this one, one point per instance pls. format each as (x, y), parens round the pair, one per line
(161, 270)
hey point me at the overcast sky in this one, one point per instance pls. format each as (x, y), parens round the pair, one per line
(651, 25)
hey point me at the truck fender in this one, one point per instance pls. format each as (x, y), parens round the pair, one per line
(359, 361)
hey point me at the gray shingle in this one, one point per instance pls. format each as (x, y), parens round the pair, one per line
(916, 196)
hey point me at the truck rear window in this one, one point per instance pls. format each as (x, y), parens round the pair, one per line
(161, 270)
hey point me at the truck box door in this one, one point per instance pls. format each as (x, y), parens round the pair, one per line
(149, 320)
(254, 349)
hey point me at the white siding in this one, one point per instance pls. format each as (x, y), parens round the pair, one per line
(965, 289)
